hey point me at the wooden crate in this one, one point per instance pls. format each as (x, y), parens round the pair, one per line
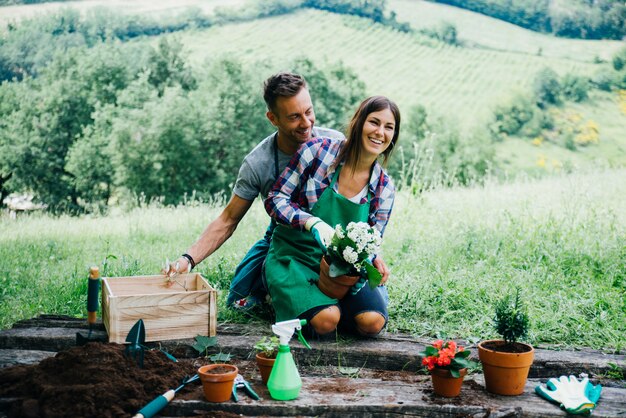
(183, 310)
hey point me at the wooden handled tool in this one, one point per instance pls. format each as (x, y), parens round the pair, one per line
(92, 296)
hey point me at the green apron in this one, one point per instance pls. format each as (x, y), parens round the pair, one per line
(292, 267)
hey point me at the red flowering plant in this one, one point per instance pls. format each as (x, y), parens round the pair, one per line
(447, 356)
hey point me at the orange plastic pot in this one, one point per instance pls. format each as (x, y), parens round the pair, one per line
(444, 384)
(505, 373)
(265, 366)
(218, 387)
(334, 287)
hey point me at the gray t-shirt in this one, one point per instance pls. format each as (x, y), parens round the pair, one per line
(257, 173)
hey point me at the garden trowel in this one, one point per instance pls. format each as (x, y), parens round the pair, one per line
(136, 339)
(93, 289)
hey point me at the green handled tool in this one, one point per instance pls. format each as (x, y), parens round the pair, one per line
(93, 289)
(161, 401)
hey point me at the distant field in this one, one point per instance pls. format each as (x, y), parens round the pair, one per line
(462, 84)
(452, 252)
(484, 31)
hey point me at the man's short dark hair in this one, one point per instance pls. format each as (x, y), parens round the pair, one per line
(281, 85)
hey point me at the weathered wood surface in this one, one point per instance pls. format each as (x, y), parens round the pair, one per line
(391, 352)
(366, 396)
(345, 397)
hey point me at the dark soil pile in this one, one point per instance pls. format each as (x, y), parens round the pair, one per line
(96, 380)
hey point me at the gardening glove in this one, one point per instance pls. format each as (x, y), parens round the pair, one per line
(573, 396)
(322, 232)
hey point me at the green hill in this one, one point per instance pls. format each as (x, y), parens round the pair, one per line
(462, 84)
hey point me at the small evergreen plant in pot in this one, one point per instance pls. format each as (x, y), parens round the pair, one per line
(506, 362)
(267, 349)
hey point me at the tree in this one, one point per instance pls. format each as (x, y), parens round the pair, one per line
(546, 87)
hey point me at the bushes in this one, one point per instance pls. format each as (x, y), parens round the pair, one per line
(602, 19)
(432, 153)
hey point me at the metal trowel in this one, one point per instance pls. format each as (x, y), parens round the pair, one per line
(136, 338)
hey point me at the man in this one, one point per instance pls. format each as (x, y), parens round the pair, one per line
(290, 110)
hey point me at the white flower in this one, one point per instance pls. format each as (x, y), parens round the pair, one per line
(350, 256)
(339, 232)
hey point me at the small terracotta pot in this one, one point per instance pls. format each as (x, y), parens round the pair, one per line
(444, 384)
(265, 366)
(505, 373)
(218, 387)
(334, 287)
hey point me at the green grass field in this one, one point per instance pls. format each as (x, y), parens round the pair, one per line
(452, 252)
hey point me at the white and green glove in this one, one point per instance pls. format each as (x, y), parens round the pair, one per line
(322, 232)
(573, 396)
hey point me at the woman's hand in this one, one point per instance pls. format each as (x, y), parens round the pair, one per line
(380, 265)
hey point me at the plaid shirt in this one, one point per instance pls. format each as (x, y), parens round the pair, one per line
(309, 173)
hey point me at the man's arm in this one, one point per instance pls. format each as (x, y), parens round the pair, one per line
(215, 234)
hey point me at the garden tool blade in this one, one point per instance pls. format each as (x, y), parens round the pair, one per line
(93, 289)
(136, 339)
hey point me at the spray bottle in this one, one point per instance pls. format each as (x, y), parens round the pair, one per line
(284, 383)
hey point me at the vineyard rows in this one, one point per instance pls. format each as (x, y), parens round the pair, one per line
(453, 81)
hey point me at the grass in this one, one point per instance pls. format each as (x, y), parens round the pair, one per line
(452, 252)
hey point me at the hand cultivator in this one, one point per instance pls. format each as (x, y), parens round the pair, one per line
(161, 401)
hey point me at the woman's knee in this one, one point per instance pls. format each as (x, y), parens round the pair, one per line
(369, 323)
(326, 320)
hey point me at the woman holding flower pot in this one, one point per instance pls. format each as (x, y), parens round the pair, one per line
(326, 184)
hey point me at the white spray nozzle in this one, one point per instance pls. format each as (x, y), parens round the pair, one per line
(285, 329)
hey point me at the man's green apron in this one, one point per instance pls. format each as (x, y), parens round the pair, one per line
(292, 267)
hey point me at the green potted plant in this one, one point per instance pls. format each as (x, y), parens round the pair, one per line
(349, 258)
(267, 349)
(447, 364)
(506, 362)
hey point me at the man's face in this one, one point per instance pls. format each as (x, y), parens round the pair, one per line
(294, 117)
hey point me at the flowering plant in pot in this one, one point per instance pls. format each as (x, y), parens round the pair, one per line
(267, 349)
(350, 255)
(447, 363)
(506, 362)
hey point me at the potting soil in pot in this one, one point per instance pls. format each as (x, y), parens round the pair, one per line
(96, 380)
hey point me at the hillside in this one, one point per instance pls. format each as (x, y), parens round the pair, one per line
(460, 83)
(482, 31)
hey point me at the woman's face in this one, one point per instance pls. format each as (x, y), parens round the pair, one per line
(378, 131)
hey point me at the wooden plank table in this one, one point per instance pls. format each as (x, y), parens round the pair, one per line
(384, 382)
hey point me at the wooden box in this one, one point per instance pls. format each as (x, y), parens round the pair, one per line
(186, 308)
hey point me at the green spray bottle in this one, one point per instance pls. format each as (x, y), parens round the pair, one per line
(284, 383)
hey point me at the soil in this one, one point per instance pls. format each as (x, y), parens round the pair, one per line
(502, 347)
(96, 380)
(219, 370)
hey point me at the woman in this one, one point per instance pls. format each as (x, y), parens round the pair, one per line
(330, 182)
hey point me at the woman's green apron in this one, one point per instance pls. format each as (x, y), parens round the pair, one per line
(292, 267)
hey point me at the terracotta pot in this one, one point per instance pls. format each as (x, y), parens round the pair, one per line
(265, 366)
(444, 384)
(218, 387)
(505, 373)
(334, 287)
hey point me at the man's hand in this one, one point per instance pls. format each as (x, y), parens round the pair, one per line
(381, 266)
(322, 232)
(179, 266)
